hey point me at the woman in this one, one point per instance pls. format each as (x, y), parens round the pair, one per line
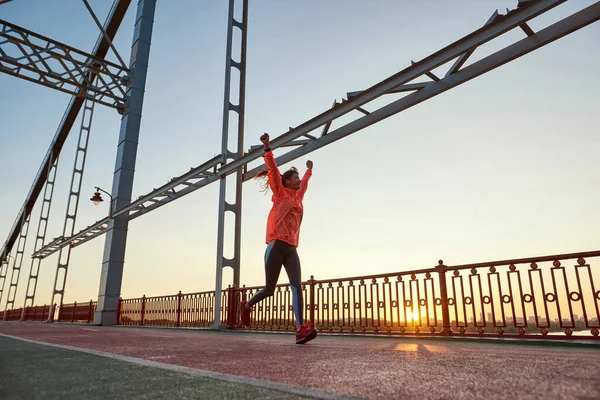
(283, 230)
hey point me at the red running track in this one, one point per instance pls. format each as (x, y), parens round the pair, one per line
(378, 368)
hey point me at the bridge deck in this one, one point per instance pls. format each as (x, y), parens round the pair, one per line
(205, 364)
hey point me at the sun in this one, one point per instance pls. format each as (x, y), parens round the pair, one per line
(414, 316)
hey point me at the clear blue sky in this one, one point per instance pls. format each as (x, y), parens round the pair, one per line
(503, 166)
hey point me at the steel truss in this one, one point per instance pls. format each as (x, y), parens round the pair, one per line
(16, 269)
(38, 59)
(226, 154)
(34, 269)
(113, 22)
(113, 258)
(214, 169)
(60, 278)
(3, 271)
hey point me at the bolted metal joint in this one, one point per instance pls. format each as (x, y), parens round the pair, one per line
(122, 109)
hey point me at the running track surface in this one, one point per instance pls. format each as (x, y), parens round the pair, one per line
(367, 367)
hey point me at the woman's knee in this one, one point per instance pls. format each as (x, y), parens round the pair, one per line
(268, 291)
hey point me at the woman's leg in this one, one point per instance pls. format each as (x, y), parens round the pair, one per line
(292, 268)
(273, 260)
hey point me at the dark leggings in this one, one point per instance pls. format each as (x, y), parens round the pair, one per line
(281, 253)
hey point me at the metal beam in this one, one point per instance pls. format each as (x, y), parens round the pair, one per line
(36, 58)
(178, 187)
(545, 36)
(16, 269)
(473, 40)
(103, 32)
(64, 256)
(224, 206)
(40, 238)
(430, 74)
(527, 29)
(408, 87)
(114, 19)
(463, 58)
(113, 259)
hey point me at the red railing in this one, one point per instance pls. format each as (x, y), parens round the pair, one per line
(38, 313)
(77, 312)
(179, 310)
(540, 297)
(531, 297)
(12, 315)
(528, 297)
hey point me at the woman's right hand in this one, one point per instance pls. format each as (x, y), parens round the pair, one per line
(265, 140)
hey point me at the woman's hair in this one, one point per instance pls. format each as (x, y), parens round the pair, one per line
(263, 175)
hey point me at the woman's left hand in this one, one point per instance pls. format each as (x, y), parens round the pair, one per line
(309, 164)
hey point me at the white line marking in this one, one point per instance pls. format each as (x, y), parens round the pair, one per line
(281, 387)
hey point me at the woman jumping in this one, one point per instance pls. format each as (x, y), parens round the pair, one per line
(283, 231)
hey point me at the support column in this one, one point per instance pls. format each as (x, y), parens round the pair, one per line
(116, 237)
(62, 267)
(3, 272)
(34, 269)
(224, 206)
(17, 262)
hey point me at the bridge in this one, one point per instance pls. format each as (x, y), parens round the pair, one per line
(551, 298)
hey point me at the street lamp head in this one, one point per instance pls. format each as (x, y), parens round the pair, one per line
(97, 198)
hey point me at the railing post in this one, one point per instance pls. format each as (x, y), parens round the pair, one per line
(23, 313)
(90, 312)
(311, 301)
(229, 310)
(73, 314)
(143, 309)
(446, 327)
(179, 309)
(54, 312)
(119, 310)
(231, 316)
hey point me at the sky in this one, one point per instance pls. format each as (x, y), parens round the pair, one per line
(504, 166)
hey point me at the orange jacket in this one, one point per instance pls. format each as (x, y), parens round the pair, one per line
(285, 216)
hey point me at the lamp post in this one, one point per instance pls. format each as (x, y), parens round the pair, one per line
(97, 199)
